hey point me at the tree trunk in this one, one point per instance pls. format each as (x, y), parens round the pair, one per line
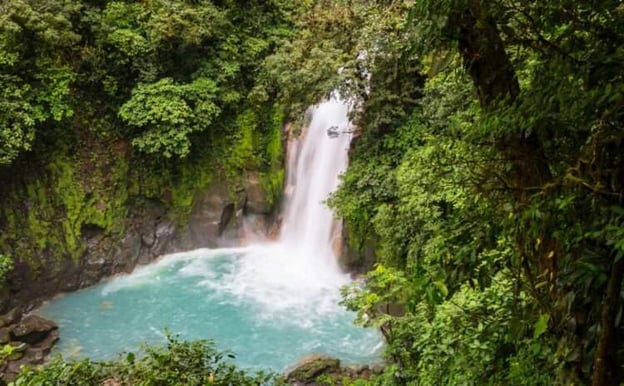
(604, 359)
(484, 56)
(487, 63)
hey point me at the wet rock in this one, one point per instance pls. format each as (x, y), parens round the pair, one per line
(46, 345)
(214, 213)
(13, 368)
(163, 235)
(5, 335)
(311, 367)
(127, 253)
(28, 354)
(356, 259)
(35, 355)
(32, 329)
(256, 202)
(11, 317)
(148, 239)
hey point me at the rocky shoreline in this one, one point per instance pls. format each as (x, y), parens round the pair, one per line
(24, 340)
(27, 339)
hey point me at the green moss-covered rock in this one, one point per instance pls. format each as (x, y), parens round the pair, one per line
(311, 367)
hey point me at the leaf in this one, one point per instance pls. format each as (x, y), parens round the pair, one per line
(541, 325)
(441, 287)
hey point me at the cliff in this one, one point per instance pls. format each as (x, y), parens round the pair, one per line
(81, 214)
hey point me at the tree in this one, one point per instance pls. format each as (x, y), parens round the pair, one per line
(168, 113)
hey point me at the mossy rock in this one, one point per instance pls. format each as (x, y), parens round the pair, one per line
(311, 367)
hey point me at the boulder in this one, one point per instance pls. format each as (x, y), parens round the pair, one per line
(33, 329)
(5, 335)
(28, 354)
(35, 355)
(311, 367)
(11, 317)
(46, 345)
(14, 367)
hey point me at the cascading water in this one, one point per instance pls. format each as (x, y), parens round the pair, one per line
(270, 302)
(315, 167)
(300, 270)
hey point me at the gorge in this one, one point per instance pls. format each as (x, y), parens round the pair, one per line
(271, 302)
(482, 207)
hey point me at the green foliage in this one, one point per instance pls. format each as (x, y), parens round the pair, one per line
(35, 84)
(17, 121)
(108, 106)
(467, 185)
(273, 178)
(168, 113)
(179, 362)
(9, 351)
(6, 266)
(487, 171)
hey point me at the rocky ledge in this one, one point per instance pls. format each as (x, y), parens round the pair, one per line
(24, 340)
(319, 369)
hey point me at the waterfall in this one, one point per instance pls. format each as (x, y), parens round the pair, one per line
(299, 272)
(315, 162)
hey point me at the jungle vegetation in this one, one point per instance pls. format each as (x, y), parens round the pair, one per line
(487, 176)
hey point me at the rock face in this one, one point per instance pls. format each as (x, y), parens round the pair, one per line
(215, 220)
(148, 235)
(11, 317)
(28, 341)
(356, 259)
(216, 216)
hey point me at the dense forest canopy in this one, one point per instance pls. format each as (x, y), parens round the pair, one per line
(487, 176)
(490, 167)
(159, 70)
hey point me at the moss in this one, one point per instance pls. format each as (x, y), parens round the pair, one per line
(272, 180)
(272, 183)
(245, 141)
(69, 192)
(192, 178)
